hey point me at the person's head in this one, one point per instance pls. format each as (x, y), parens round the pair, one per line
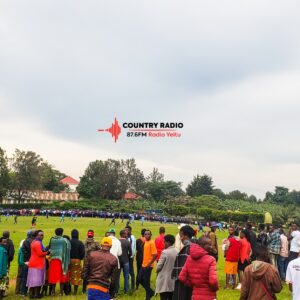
(143, 231)
(75, 234)
(169, 240)
(6, 234)
(39, 235)
(270, 228)
(205, 243)
(90, 233)
(261, 227)
(59, 231)
(106, 243)
(29, 233)
(262, 253)
(186, 233)
(148, 235)
(112, 231)
(123, 234)
(231, 231)
(294, 227)
(128, 229)
(249, 226)
(162, 230)
(3, 241)
(33, 234)
(244, 234)
(281, 231)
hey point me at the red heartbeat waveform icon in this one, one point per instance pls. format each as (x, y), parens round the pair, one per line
(114, 130)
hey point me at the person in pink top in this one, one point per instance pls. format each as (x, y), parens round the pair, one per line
(245, 254)
(283, 255)
(160, 242)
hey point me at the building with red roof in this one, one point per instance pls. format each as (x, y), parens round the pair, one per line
(131, 196)
(71, 182)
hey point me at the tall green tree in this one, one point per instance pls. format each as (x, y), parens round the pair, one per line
(50, 178)
(4, 174)
(26, 174)
(237, 195)
(200, 185)
(103, 179)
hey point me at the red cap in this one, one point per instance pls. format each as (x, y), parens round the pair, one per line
(90, 233)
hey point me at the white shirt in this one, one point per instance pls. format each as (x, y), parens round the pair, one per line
(293, 277)
(116, 248)
(133, 245)
(295, 242)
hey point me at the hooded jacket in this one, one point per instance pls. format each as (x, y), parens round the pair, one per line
(259, 279)
(200, 273)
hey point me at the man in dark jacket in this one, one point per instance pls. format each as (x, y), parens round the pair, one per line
(100, 271)
(182, 291)
(139, 255)
(26, 249)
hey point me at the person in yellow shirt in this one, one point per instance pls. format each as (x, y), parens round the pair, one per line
(150, 254)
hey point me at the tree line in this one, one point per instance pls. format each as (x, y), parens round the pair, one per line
(27, 172)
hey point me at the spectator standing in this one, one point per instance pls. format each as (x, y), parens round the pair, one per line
(37, 265)
(159, 242)
(164, 283)
(124, 258)
(232, 255)
(261, 279)
(150, 254)
(274, 245)
(245, 254)
(132, 240)
(293, 277)
(283, 255)
(139, 254)
(182, 291)
(262, 238)
(200, 271)
(100, 271)
(214, 243)
(59, 261)
(3, 266)
(115, 250)
(251, 236)
(89, 245)
(294, 238)
(76, 256)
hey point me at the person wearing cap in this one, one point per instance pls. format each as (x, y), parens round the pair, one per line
(100, 271)
(213, 237)
(89, 245)
(116, 250)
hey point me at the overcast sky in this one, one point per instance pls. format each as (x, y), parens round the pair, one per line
(229, 70)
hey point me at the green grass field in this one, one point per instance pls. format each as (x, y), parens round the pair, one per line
(18, 232)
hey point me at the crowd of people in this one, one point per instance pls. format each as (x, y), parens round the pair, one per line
(186, 266)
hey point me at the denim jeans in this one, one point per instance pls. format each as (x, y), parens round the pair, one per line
(282, 266)
(125, 269)
(94, 294)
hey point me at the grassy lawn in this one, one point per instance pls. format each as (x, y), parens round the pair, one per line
(18, 232)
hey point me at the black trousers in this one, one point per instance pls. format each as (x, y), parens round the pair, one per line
(166, 296)
(144, 279)
(131, 273)
(138, 267)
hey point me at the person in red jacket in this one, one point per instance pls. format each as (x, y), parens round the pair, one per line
(232, 255)
(36, 265)
(200, 271)
(160, 242)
